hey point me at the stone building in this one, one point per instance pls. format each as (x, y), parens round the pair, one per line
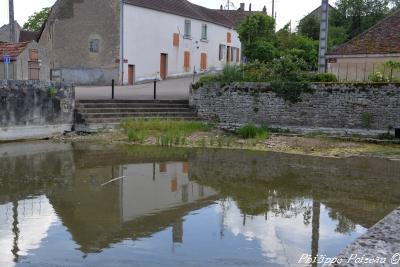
(28, 62)
(367, 52)
(160, 39)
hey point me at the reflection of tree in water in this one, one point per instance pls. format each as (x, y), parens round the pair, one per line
(344, 225)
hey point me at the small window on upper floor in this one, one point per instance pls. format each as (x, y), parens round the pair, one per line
(204, 32)
(94, 45)
(188, 28)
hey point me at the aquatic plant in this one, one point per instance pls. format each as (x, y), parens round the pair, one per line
(251, 131)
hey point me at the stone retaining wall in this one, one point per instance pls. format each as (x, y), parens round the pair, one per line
(336, 108)
(35, 109)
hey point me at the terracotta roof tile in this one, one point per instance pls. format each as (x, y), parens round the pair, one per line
(383, 38)
(12, 49)
(186, 9)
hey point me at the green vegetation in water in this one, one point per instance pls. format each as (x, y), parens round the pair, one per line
(167, 132)
(251, 131)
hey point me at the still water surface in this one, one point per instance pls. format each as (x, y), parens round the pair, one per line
(85, 205)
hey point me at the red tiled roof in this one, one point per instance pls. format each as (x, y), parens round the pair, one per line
(186, 9)
(12, 49)
(27, 36)
(383, 38)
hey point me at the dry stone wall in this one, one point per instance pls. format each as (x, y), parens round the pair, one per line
(35, 109)
(346, 108)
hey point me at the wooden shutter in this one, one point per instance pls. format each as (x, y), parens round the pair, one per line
(186, 62)
(238, 55)
(203, 61)
(229, 37)
(176, 39)
(33, 55)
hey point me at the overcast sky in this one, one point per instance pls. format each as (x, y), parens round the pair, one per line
(287, 10)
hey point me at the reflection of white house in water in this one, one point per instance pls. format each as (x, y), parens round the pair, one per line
(168, 187)
(23, 226)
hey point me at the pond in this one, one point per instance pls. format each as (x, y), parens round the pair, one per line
(90, 205)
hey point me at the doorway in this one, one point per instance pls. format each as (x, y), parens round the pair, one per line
(131, 74)
(163, 66)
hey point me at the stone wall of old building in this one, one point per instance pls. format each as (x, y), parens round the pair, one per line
(67, 36)
(334, 108)
(35, 109)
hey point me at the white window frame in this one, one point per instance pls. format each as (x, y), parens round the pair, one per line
(188, 28)
(222, 52)
(204, 32)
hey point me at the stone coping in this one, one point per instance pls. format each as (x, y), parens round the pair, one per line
(380, 246)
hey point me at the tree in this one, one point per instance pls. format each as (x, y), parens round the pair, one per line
(309, 27)
(257, 33)
(359, 15)
(36, 21)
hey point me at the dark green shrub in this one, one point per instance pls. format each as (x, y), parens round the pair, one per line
(325, 78)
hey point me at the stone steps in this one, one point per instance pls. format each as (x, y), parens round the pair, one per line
(91, 115)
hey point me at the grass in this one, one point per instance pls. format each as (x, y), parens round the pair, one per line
(167, 132)
(251, 131)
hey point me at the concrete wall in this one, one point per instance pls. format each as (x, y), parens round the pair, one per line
(28, 111)
(67, 35)
(359, 67)
(148, 33)
(336, 108)
(19, 69)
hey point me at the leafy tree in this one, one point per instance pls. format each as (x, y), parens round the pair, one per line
(309, 27)
(359, 15)
(257, 33)
(36, 21)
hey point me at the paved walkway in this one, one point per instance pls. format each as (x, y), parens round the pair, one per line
(173, 89)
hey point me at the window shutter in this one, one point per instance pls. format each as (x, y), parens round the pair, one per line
(203, 61)
(186, 63)
(33, 55)
(176, 39)
(229, 37)
(237, 54)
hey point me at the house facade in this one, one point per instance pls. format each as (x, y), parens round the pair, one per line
(28, 62)
(368, 52)
(97, 41)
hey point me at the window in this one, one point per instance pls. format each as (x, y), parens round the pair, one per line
(222, 52)
(94, 45)
(188, 28)
(204, 33)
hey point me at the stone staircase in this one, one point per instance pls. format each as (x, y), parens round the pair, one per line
(92, 115)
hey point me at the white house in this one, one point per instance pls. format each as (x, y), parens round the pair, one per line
(96, 41)
(163, 40)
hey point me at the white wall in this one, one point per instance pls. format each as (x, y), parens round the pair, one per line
(148, 33)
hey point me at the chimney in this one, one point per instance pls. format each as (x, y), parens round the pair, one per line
(221, 7)
(265, 9)
(250, 7)
(242, 6)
